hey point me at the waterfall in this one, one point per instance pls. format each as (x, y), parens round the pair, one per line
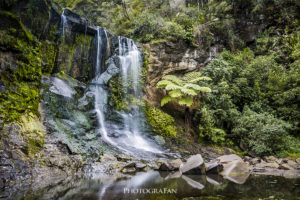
(63, 21)
(128, 135)
(100, 92)
(130, 64)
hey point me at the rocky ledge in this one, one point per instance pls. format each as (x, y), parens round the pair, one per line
(231, 167)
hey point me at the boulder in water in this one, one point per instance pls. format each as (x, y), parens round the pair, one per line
(214, 167)
(170, 165)
(194, 165)
(235, 169)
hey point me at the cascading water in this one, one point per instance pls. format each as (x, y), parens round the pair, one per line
(100, 92)
(130, 64)
(130, 138)
(63, 21)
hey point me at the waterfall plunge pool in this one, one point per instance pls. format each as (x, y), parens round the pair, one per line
(164, 185)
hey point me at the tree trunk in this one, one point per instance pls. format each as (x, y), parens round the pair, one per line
(125, 10)
(188, 119)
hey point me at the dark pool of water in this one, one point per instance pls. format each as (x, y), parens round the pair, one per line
(156, 185)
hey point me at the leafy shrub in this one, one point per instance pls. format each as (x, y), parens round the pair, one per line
(207, 129)
(262, 132)
(161, 122)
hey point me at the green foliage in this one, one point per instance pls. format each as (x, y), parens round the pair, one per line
(248, 88)
(183, 89)
(207, 129)
(148, 21)
(116, 97)
(161, 122)
(262, 133)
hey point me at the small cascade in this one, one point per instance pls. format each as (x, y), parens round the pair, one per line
(63, 22)
(100, 92)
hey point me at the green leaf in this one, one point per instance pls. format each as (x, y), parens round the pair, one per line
(205, 89)
(188, 91)
(193, 86)
(165, 100)
(163, 83)
(172, 87)
(202, 78)
(173, 78)
(187, 100)
(175, 93)
(191, 75)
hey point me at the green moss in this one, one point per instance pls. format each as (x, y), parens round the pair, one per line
(8, 16)
(145, 68)
(48, 53)
(73, 53)
(161, 122)
(33, 133)
(116, 97)
(22, 73)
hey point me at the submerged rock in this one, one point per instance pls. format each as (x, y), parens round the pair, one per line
(194, 165)
(215, 179)
(174, 175)
(193, 183)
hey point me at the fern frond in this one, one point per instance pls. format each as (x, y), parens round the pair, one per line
(205, 89)
(163, 83)
(202, 78)
(175, 93)
(172, 87)
(187, 100)
(173, 78)
(192, 86)
(188, 91)
(191, 75)
(165, 100)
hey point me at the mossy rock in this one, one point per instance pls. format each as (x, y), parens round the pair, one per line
(33, 132)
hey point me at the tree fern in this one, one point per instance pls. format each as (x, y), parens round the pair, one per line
(203, 78)
(188, 91)
(205, 89)
(163, 83)
(191, 75)
(182, 90)
(165, 100)
(172, 86)
(173, 78)
(175, 93)
(188, 101)
(193, 86)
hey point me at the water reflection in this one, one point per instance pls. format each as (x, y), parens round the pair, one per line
(159, 185)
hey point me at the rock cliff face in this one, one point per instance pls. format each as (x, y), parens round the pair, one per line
(174, 58)
(58, 136)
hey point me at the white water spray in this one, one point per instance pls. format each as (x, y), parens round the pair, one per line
(130, 61)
